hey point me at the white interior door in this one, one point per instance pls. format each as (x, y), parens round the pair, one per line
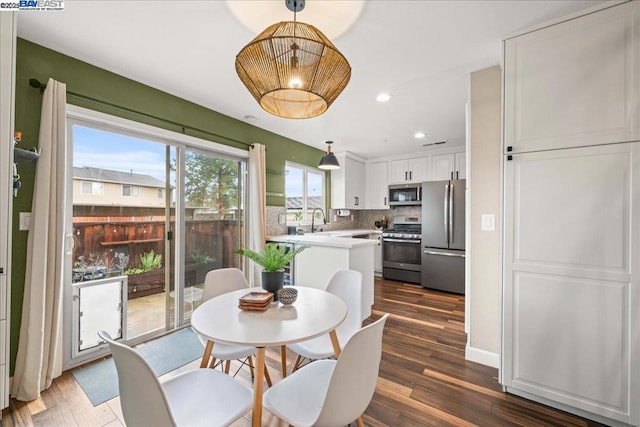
(571, 278)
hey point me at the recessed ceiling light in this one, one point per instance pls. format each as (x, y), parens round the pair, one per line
(419, 135)
(383, 97)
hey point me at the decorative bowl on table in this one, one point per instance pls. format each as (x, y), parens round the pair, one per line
(287, 295)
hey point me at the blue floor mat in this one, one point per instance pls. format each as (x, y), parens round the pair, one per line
(99, 381)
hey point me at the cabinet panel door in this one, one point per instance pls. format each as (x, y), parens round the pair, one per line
(576, 83)
(461, 166)
(399, 171)
(378, 186)
(419, 169)
(571, 277)
(355, 189)
(442, 166)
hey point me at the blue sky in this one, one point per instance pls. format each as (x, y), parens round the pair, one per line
(294, 183)
(106, 150)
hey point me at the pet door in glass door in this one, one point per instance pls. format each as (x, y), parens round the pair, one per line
(98, 305)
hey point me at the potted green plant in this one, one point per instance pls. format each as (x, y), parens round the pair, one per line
(273, 260)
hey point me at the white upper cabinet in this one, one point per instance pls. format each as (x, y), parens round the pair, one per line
(448, 166)
(377, 185)
(576, 83)
(348, 183)
(409, 170)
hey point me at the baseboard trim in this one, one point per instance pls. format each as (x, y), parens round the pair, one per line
(482, 356)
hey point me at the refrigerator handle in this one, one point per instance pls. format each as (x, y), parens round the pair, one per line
(445, 215)
(451, 214)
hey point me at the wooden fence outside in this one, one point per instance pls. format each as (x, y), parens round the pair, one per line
(217, 239)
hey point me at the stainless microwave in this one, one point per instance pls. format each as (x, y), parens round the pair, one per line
(405, 194)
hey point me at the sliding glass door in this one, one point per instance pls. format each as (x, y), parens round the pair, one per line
(213, 225)
(147, 218)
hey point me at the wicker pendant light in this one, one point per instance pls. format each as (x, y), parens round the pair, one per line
(292, 69)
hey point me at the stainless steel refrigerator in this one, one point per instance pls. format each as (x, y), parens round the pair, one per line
(443, 223)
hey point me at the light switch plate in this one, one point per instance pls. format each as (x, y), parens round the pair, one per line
(25, 220)
(488, 222)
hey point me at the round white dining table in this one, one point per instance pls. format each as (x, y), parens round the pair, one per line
(315, 312)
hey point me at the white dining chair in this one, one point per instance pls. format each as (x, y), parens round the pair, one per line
(331, 392)
(201, 397)
(218, 282)
(346, 284)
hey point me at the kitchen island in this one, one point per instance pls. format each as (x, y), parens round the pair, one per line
(330, 251)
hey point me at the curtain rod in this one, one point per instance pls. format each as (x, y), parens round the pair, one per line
(35, 83)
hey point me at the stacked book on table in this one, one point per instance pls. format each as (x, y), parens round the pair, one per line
(255, 301)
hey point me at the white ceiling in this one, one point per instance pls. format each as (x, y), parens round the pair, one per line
(421, 52)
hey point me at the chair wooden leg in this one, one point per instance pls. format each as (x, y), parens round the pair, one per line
(207, 354)
(296, 365)
(335, 343)
(227, 365)
(359, 422)
(267, 377)
(283, 359)
(250, 363)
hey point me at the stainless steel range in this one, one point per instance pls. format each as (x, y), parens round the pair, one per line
(401, 248)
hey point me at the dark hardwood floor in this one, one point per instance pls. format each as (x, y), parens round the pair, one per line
(424, 379)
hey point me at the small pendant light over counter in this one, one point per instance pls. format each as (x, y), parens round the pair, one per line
(329, 160)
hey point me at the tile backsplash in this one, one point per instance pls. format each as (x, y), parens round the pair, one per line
(361, 218)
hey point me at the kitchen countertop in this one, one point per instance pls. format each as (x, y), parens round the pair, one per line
(336, 238)
(348, 233)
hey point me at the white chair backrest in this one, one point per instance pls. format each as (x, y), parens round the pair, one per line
(347, 284)
(221, 281)
(354, 378)
(142, 399)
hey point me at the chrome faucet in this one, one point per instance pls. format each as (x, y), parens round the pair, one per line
(313, 217)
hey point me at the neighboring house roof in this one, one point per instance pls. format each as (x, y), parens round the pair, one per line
(312, 202)
(105, 175)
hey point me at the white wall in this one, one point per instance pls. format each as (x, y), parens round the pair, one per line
(483, 343)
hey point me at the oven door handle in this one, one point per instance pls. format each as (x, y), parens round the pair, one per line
(444, 254)
(402, 241)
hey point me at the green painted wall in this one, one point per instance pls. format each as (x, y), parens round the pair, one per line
(34, 61)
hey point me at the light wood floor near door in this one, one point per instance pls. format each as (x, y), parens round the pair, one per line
(424, 378)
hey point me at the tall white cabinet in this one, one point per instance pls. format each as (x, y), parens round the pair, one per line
(571, 291)
(7, 78)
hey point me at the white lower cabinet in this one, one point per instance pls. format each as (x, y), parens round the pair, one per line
(572, 280)
(315, 266)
